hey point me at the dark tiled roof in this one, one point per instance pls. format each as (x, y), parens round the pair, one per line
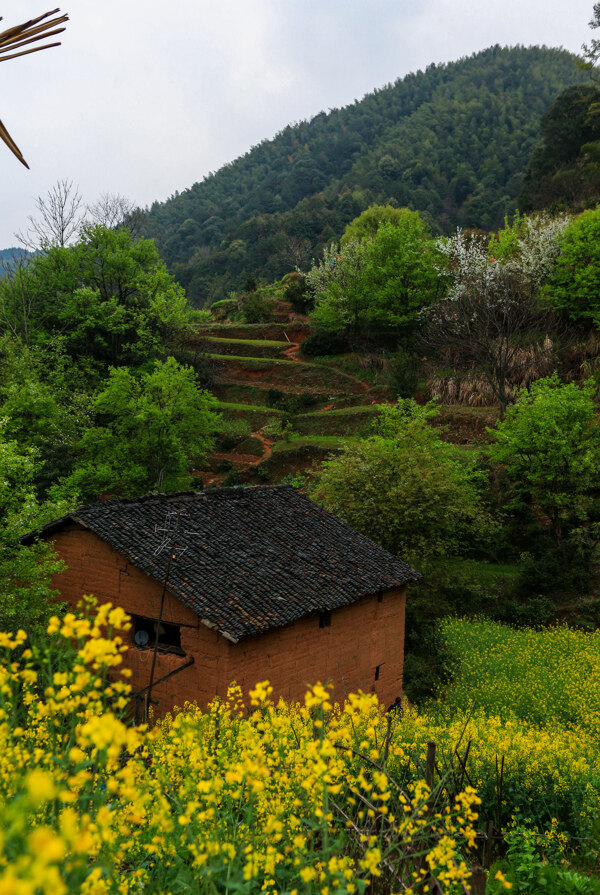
(249, 559)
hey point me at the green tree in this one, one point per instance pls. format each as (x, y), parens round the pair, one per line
(422, 500)
(549, 447)
(152, 428)
(45, 405)
(574, 283)
(406, 489)
(378, 282)
(564, 170)
(109, 297)
(366, 225)
(337, 283)
(25, 571)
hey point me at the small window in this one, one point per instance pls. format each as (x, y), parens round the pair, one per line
(325, 619)
(377, 672)
(144, 635)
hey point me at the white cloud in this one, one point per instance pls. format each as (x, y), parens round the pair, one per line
(145, 98)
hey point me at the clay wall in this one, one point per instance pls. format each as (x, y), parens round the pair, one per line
(362, 642)
(96, 568)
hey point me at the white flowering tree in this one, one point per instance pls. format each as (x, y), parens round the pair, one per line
(491, 319)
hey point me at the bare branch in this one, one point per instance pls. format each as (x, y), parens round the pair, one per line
(112, 210)
(59, 220)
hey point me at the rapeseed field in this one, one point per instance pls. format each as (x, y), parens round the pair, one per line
(278, 799)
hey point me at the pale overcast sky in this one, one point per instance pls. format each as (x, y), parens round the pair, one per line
(145, 98)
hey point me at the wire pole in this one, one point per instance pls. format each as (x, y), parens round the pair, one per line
(148, 696)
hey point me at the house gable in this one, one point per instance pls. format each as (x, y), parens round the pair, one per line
(96, 568)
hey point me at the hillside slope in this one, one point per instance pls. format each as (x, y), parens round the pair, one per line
(8, 257)
(453, 142)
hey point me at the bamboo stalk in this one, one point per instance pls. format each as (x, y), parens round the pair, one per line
(6, 137)
(27, 52)
(40, 28)
(14, 45)
(18, 29)
(38, 32)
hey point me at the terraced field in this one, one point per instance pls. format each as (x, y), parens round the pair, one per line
(281, 412)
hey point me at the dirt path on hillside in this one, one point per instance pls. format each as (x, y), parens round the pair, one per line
(246, 459)
(293, 351)
(289, 389)
(267, 445)
(364, 386)
(243, 460)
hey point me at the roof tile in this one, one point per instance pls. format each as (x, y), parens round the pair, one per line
(246, 559)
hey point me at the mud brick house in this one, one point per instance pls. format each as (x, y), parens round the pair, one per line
(262, 584)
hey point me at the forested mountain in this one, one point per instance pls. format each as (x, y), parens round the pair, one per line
(564, 172)
(8, 257)
(452, 142)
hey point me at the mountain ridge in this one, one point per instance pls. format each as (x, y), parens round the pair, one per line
(452, 141)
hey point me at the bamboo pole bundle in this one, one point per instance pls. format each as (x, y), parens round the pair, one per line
(12, 42)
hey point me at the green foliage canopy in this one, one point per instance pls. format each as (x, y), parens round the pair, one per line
(405, 488)
(564, 170)
(45, 404)
(549, 446)
(109, 297)
(378, 282)
(25, 572)
(574, 284)
(152, 428)
(337, 283)
(366, 225)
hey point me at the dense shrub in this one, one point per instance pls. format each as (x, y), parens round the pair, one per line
(291, 403)
(534, 864)
(227, 442)
(404, 368)
(550, 574)
(200, 315)
(547, 451)
(258, 308)
(275, 397)
(299, 296)
(572, 286)
(322, 343)
(232, 478)
(405, 488)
